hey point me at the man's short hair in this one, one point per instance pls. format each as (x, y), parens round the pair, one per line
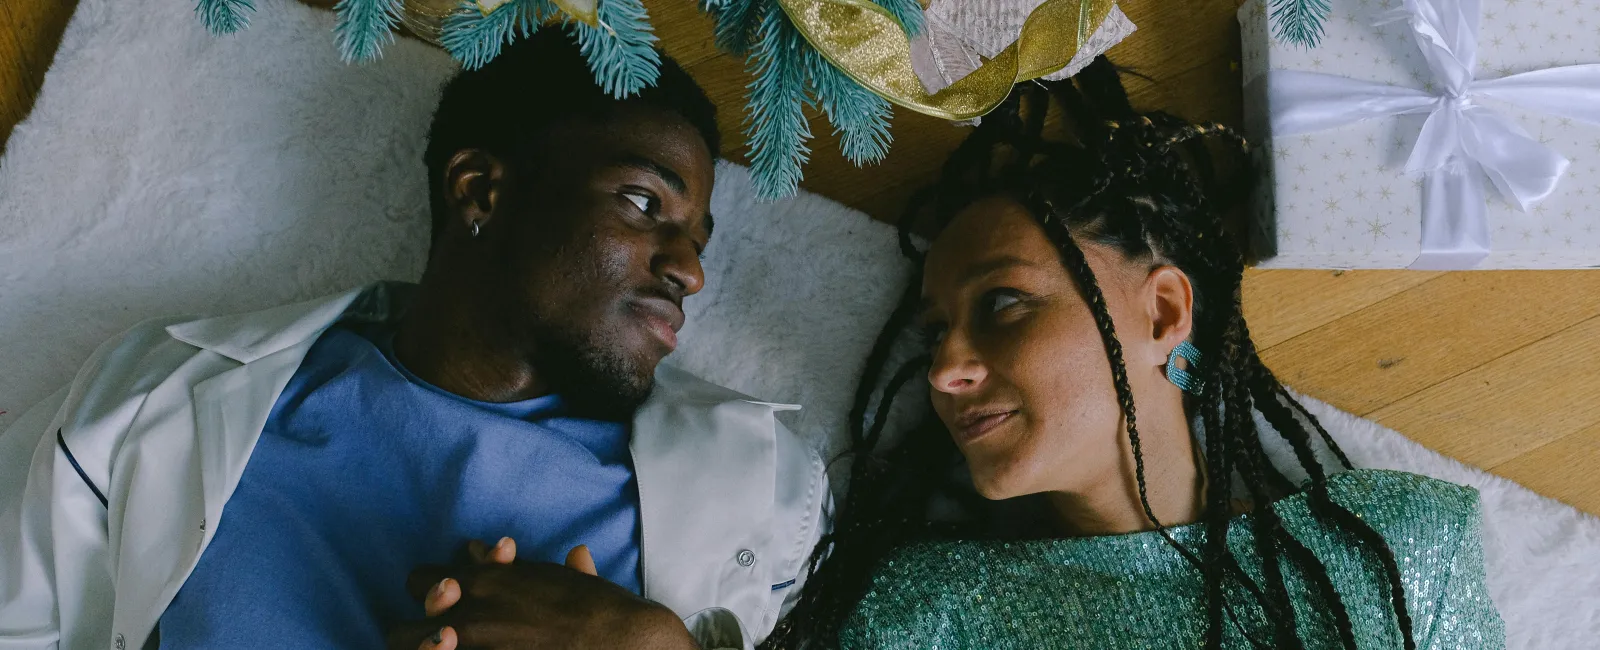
(504, 107)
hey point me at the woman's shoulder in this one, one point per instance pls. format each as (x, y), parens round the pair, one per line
(1026, 594)
(1416, 516)
(1400, 503)
(1433, 531)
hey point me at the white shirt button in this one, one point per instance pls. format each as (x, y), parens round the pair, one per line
(746, 557)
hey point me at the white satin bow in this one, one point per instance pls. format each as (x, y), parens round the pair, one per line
(1461, 142)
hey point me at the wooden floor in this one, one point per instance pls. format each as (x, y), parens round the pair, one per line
(1498, 369)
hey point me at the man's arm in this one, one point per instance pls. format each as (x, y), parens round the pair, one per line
(535, 588)
(496, 602)
(55, 573)
(28, 616)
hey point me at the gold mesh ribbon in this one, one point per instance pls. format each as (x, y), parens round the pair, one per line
(584, 11)
(870, 45)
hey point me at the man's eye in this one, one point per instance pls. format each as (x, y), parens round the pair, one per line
(645, 202)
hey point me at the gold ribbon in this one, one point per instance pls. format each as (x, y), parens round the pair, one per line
(866, 42)
(584, 11)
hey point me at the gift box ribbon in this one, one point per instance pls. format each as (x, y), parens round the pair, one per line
(1461, 142)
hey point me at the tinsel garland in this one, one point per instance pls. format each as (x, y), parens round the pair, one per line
(790, 74)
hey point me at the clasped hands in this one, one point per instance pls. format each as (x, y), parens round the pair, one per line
(494, 602)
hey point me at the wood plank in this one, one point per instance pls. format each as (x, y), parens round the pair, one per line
(30, 31)
(1187, 50)
(1507, 407)
(1430, 333)
(1563, 470)
(1281, 304)
(686, 34)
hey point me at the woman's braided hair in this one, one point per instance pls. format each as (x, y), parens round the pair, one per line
(1142, 187)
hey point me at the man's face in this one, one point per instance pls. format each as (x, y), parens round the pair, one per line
(602, 246)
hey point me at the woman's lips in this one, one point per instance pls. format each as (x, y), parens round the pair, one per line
(972, 427)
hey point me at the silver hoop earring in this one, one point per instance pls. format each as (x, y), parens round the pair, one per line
(474, 229)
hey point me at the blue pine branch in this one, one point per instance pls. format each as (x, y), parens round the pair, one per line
(908, 12)
(738, 22)
(363, 27)
(621, 51)
(1299, 21)
(224, 16)
(775, 122)
(858, 115)
(475, 39)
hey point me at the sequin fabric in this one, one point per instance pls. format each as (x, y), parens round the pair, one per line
(1135, 591)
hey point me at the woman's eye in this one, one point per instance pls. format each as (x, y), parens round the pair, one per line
(996, 301)
(644, 202)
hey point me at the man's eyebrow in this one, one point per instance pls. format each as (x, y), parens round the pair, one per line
(671, 178)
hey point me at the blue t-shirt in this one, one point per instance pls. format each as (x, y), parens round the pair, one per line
(363, 472)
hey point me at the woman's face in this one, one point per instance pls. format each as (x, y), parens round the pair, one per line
(1020, 374)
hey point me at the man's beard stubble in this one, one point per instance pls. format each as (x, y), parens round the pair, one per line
(594, 381)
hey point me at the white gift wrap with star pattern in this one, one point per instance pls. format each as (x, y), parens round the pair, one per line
(1341, 198)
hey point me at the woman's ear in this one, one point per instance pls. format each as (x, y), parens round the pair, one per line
(474, 187)
(1170, 301)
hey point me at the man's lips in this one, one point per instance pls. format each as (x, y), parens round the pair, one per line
(976, 423)
(663, 317)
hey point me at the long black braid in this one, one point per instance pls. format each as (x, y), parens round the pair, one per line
(1142, 185)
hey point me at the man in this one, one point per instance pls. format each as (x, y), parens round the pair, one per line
(308, 475)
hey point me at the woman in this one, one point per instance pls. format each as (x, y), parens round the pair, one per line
(1095, 477)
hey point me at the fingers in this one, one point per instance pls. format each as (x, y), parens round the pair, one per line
(477, 552)
(444, 595)
(503, 552)
(581, 560)
(423, 579)
(499, 634)
(436, 635)
(420, 634)
(443, 639)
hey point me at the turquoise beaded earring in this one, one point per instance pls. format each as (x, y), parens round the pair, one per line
(1188, 352)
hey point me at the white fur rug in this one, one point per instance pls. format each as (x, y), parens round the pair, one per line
(164, 171)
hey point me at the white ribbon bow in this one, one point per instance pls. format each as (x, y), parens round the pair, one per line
(1461, 142)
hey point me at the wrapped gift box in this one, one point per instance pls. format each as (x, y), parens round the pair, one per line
(1341, 196)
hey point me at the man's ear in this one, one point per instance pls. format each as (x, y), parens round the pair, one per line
(474, 187)
(1170, 302)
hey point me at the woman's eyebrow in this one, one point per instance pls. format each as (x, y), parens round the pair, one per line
(983, 268)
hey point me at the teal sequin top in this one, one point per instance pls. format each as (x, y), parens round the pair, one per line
(1135, 591)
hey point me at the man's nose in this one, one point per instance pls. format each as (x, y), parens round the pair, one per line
(679, 264)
